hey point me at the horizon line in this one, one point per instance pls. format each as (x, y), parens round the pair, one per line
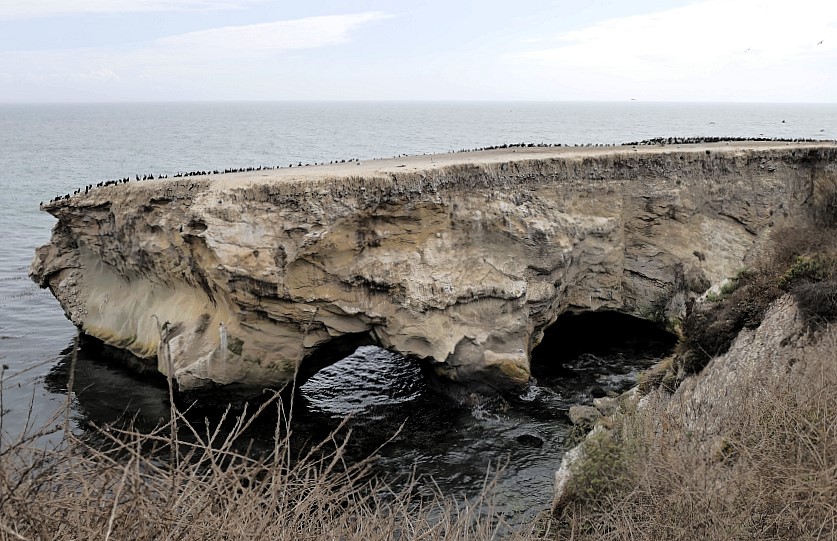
(418, 100)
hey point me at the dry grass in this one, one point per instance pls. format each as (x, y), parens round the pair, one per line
(767, 469)
(158, 486)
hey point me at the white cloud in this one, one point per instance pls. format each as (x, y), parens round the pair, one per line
(26, 9)
(206, 59)
(274, 36)
(697, 40)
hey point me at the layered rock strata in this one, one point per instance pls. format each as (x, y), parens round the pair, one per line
(461, 260)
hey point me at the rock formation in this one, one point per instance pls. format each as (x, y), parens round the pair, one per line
(460, 260)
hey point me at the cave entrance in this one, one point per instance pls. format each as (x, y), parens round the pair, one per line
(592, 354)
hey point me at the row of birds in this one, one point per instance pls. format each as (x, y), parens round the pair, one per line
(102, 184)
(645, 142)
(698, 140)
(201, 173)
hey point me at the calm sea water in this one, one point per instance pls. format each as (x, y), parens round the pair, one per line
(47, 150)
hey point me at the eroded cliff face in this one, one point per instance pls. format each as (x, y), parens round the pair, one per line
(461, 260)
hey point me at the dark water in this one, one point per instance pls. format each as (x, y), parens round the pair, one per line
(515, 441)
(47, 150)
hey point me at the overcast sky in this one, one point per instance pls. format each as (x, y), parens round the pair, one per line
(649, 50)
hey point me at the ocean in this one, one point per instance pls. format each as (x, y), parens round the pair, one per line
(46, 150)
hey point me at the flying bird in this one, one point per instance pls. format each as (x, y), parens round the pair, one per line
(820, 43)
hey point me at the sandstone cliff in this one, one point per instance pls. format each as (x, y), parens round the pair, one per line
(461, 260)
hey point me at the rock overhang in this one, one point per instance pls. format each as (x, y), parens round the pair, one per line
(461, 260)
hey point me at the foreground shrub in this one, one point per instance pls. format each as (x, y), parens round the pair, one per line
(159, 486)
(602, 467)
(766, 469)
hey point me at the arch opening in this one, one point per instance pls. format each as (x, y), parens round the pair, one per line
(368, 378)
(352, 374)
(330, 353)
(591, 354)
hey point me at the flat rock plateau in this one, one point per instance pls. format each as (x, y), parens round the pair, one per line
(461, 260)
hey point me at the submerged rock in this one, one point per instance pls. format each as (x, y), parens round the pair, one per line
(529, 440)
(251, 279)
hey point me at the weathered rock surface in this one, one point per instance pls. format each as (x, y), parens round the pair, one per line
(461, 260)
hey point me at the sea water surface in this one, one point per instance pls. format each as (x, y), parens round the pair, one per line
(46, 150)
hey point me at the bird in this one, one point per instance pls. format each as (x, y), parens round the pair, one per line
(820, 43)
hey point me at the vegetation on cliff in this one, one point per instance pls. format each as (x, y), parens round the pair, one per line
(801, 259)
(736, 436)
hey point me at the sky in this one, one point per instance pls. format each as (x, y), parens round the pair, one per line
(579, 50)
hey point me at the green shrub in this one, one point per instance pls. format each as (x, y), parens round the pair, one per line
(817, 301)
(812, 280)
(732, 284)
(806, 269)
(601, 468)
(709, 329)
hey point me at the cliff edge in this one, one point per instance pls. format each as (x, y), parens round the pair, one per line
(461, 260)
